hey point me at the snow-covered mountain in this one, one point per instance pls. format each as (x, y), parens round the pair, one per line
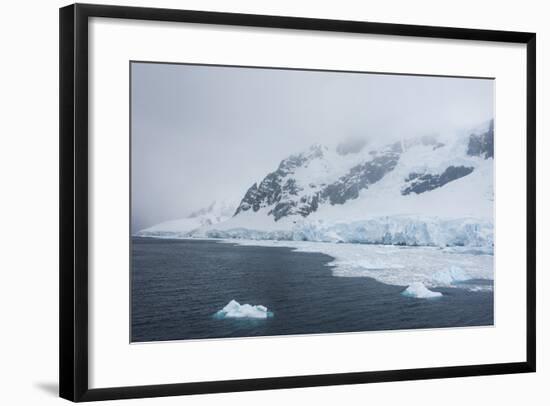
(431, 190)
(215, 213)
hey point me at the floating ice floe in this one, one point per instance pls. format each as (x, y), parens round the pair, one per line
(450, 276)
(234, 310)
(399, 266)
(418, 290)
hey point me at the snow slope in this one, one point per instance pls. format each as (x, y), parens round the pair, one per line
(425, 191)
(455, 212)
(416, 213)
(216, 213)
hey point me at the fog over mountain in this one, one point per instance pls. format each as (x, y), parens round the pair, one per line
(206, 134)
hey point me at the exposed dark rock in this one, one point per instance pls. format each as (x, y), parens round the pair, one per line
(482, 144)
(271, 189)
(311, 205)
(284, 196)
(420, 183)
(360, 177)
(290, 187)
(282, 209)
(412, 176)
(250, 200)
(306, 205)
(280, 191)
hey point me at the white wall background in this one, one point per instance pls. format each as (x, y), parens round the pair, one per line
(29, 203)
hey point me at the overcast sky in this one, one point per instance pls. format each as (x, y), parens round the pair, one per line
(202, 133)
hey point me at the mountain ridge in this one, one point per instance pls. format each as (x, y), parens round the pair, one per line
(282, 192)
(426, 190)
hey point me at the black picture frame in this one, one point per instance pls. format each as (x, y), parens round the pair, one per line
(73, 254)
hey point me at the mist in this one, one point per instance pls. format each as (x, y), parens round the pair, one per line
(202, 133)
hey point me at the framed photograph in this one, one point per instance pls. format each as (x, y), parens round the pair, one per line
(257, 202)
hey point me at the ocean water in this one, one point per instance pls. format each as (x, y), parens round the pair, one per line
(178, 286)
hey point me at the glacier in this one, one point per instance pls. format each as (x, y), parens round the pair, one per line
(459, 213)
(397, 230)
(215, 213)
(234, 310)
(374, 207)
(391, 212)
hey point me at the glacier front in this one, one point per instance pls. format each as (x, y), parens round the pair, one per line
(396, 230)
(418, 211)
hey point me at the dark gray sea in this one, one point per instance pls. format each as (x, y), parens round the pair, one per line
(178, 286)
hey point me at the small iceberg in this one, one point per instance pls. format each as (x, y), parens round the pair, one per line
(234, 310)
(418, 290)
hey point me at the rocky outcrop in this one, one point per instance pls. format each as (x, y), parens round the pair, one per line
(420, 183)
(482, 144)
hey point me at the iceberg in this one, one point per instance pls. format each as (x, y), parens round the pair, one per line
(234, 310)
(418, 290)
